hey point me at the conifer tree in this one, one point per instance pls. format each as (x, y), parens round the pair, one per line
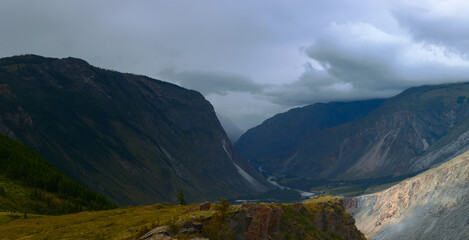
(181, 199)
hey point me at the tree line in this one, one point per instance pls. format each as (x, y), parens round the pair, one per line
(18, 162)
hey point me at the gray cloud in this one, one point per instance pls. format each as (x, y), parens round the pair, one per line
(253, 59)
(438, 22)
(212, 82)
(359, 61)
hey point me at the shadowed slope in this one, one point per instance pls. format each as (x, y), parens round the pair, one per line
(135, 139)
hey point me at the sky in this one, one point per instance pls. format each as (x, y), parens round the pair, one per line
(254, 59)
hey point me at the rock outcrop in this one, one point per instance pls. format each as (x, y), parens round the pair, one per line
(432, 205)
(319, 218)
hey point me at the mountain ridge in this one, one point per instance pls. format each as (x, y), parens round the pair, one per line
(278, 136)
(133, 138)
(389, 142)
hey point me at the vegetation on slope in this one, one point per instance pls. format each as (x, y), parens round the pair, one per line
(323, 217)
(30, 184)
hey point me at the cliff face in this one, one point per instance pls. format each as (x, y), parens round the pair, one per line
(317, 219)
(135, 139)
(408, 133)
(432, 205)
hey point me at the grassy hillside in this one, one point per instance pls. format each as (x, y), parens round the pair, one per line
(120, 223)
(321, 218)
(30, 184)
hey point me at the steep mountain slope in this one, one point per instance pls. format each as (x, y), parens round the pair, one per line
(432, 205)
(30, 184)
(281, 136)
(135, 139)
(390, 141)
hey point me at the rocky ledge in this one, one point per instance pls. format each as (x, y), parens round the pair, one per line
(319, 218)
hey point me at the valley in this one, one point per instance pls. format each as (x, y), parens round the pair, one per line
(234, 120)
(88, 153)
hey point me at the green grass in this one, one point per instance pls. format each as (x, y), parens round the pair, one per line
(322, 217)
(29, 183)
(19, 198)
(352, 190)
(121, 223)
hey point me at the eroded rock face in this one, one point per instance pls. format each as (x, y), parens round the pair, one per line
(432, 205)
(320, 219)
(256, 221)
(266, 220)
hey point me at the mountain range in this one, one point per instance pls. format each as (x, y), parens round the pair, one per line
(134, 139)
(380, 139)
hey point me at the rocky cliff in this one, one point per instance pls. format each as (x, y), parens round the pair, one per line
(135, 139)
(320, 218)
(432, 205)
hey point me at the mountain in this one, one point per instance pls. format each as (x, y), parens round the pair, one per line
(319, 218)
(30, 184)
(135, 139)
(431, 205)
(232, 130)
(279, 137)
(409, 133)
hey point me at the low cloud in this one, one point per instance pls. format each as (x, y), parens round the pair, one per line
(207, 82)
(359, 61)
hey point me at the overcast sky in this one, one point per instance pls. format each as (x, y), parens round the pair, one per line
(253, 59)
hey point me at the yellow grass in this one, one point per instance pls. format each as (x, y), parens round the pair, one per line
(119, 223)
(322, 199)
